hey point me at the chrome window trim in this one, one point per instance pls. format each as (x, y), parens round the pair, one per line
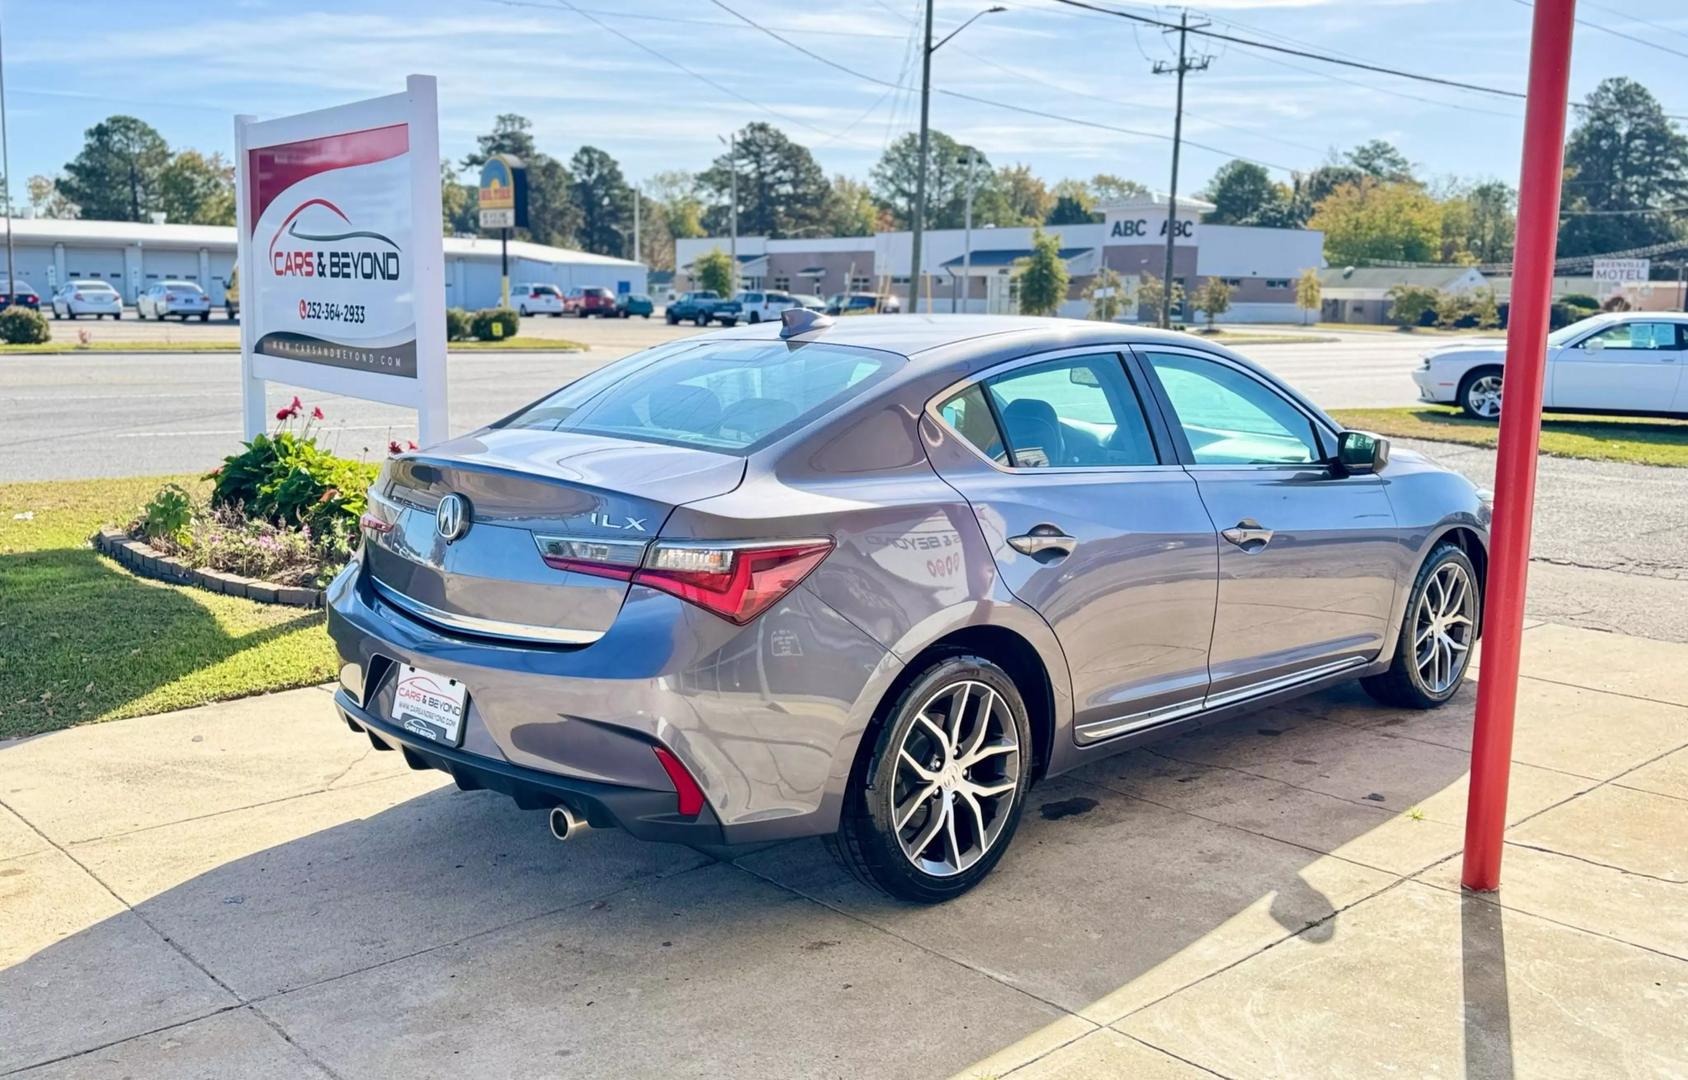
(491, 628)
(979, 377)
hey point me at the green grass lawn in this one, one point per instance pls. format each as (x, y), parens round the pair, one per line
(1640, 441)
(1418, 331)
(516, 344)
(82, 639)
(1248, 337)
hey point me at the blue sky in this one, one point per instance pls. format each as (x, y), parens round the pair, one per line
(187, 68)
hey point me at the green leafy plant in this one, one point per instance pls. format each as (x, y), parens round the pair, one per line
(494, 324)
(1213, 299)
(288, 480)
(459, 324)
(168, 514)
(1107, 295)
(23, 326)
(1043, 276)
(714, 270)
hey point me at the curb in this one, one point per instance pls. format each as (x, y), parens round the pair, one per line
(143, 559)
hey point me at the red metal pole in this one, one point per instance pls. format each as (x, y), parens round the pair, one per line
(1520, 434)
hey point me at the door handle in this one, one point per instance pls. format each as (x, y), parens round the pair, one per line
(1248, 535)
(1041, 539)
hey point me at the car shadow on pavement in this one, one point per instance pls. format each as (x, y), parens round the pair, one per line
(383, 923)
(87, 638)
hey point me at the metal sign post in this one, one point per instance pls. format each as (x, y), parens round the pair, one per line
(1520, 434)
(342, 264)
(503, 206)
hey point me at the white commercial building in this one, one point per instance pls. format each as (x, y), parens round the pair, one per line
(133, 255)
(1260, 265)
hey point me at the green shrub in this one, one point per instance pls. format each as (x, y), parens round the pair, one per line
(1413, 305)
(1577, 299)
(23, 326)
(458, 324)
(495, 324)
(287, 479)
(168, 514)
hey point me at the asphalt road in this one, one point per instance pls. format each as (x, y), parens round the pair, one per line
(1609, 550)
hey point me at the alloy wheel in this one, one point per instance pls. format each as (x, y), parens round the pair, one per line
(956, 774)
(1443, 627)
(1484, 396)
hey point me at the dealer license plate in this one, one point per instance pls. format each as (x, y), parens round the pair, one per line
(430, 705)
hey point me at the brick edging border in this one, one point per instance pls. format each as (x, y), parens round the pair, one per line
(148, 561)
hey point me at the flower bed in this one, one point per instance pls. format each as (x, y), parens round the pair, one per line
(281, 518)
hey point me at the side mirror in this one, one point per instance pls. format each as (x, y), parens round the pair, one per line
(1595, 344)
(1359, 453)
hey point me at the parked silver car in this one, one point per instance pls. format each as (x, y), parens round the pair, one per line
(873, 578)
(77, 298)
(183, 299)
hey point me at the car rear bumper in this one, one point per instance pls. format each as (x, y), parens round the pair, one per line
(766, 718)
(647, 813)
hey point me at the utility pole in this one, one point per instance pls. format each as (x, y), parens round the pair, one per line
(917, 221)
(6, 175)
(1184, 66)
(638, 197)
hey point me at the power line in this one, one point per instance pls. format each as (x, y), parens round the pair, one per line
(1304, 53)
(1326, 58)
(829, 62)
(682, 20)
(1635, 18)
(665, 58)
(1620, 34)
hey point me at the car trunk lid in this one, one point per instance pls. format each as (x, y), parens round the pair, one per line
(524, 493)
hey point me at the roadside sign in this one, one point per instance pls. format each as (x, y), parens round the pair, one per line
(1620, 272)
(342, 265)
(503, 193)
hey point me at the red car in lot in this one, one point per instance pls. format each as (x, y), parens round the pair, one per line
(589, 301)
(23, 295)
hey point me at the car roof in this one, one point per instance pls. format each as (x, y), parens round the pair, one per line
(911, 335)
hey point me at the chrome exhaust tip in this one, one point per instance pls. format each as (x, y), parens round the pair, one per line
(564, 824)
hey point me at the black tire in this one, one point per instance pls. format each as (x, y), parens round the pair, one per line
(673, 319)
(646, 315)
(702, 319)
(1472, 401)
(118, 316)
(867, 842)
(755, 317)
(205, 316)
(1404, 685)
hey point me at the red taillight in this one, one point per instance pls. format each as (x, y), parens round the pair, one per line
(169, 296)
(691, 796)
(77, 296)
(736, 582)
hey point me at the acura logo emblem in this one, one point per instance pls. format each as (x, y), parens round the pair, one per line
(452, 518)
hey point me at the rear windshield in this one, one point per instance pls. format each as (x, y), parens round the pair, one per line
(183, 286)
(729, 396)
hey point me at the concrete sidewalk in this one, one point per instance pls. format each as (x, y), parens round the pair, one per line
(247, 890)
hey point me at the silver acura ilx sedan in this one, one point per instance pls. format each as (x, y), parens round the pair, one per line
(871, 579)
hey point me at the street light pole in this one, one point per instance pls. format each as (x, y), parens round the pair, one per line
(732, 210)
(967, 232)
(638, 197)
(917, 218)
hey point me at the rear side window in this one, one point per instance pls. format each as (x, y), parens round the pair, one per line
(970, 415)
(729, 396)
(1078, 411)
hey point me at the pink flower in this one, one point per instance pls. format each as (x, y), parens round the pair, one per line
(283, 413)
(410, 445)
(297, 404)
(393, 447)
(316, 413)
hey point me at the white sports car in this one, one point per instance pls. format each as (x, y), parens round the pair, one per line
(1620, 362)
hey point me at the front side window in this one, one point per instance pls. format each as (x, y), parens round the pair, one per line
(1230, 418)
(1075, 412)
(1633, 336)
(728, 396)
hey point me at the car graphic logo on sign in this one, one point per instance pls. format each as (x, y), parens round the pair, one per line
(452, 517)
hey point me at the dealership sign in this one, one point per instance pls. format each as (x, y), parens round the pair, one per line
(1620, 272)
(341, 259)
